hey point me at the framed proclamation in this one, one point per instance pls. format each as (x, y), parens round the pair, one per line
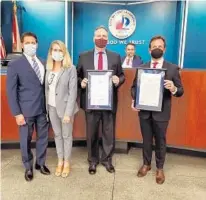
(99, 90)
(149, 89)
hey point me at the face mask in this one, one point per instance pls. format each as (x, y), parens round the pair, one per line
(156, 53)
(57, 56)
(30, 49)
(101, 43)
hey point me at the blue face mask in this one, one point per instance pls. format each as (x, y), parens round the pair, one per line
(57, 56)
(30, 49)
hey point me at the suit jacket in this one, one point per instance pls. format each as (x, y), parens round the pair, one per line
(137, 61)
(66, 92)
(86, 62)
(172, 74)
(24, 90)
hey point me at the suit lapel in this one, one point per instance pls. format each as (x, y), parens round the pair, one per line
(147, 65)
(109, 59)
(91, 60)
(46, 78)
(59, 75)
(30, 68)
(164, 66)
(44, 65)
(134, 61)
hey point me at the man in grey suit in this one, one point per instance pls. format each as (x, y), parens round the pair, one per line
(25, 91)
(100, 59)
(154, 124)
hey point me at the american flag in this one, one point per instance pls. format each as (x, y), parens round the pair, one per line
(2, 47)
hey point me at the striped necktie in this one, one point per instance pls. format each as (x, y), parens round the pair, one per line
(36, 69)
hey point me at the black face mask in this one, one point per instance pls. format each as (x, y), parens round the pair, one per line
(157, 53)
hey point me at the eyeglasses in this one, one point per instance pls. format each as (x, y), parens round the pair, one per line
(51, 79)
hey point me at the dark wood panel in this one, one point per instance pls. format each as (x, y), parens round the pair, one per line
(187, 127)
(127, 120)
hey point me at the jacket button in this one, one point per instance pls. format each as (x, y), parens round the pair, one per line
(56, 93)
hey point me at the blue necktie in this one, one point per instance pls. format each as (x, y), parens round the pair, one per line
(36, 69)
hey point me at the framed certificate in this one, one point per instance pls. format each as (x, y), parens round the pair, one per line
(100, 90)
(149, 89)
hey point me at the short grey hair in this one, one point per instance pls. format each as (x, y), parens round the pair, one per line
(101, 27)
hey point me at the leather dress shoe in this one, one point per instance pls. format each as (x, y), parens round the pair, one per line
(28, 175)
(160, 177)
(43, 169)
(143, 170)
(92, 169)
(109, 167)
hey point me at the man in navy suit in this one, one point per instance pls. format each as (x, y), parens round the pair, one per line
(25, 91)
(131, 60)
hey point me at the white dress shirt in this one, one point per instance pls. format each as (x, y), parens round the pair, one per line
(41, 66)
(159, 65)
(125, 65)
(96, 58)
(52, 81)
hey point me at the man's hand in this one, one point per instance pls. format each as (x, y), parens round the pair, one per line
(115, 80)
(170, 85)
(66, 119)
(20, 120)
(84, 83)
(133, 108)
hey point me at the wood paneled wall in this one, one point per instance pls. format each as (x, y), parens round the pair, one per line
(187, 128)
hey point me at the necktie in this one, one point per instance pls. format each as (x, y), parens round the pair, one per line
(155, 64)
(128, 61)
(36, 69)
(100, 61)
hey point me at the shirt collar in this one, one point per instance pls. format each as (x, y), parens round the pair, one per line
(96, 51)
(131, 58)
(160, 61)
(29, 57)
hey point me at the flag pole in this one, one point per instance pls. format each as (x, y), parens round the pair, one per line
(16, 42)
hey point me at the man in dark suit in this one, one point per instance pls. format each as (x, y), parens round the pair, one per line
(131, 60)
(25, 91)
(100, 59)
(154, 124)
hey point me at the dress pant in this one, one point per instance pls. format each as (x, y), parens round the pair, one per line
(63, 134)
(26, 131)
(93, 119)
(152, 129)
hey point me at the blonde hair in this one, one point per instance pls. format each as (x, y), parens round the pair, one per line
(66, 63)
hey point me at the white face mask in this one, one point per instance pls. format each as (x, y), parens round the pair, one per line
(30, 49)
(57, 56)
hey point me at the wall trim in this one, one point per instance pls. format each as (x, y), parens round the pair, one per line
(183, 34)
(82, 143)
(66, 23)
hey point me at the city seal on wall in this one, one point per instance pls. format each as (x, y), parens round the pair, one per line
(122, 24)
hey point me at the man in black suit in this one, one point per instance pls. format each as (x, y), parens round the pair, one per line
(131, 60)
(26, 98)
(100, 59)
(154, 124)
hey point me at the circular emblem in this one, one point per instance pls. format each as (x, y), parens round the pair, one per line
(122, 24)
